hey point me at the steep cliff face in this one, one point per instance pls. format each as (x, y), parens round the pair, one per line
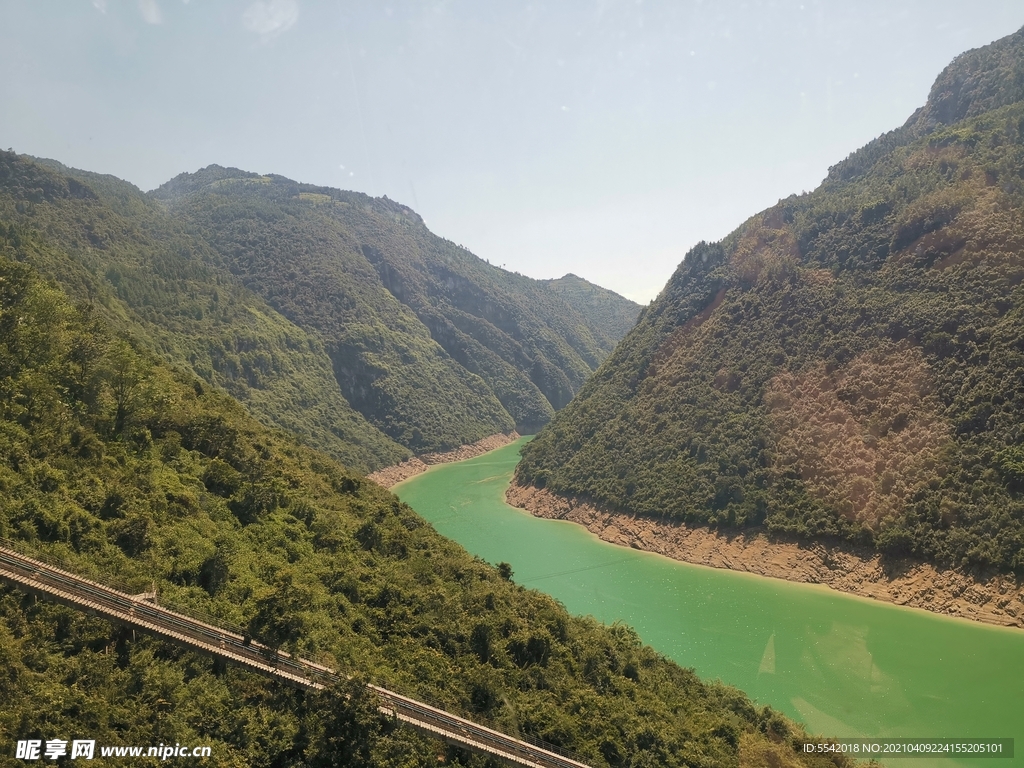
(976, 82)
(848, 363)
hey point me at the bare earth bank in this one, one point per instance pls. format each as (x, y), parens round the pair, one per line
(993, 599)
(390, 476)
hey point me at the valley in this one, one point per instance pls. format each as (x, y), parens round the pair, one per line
(388, 477)
(842, 665)
(145, 399)
(780, 503)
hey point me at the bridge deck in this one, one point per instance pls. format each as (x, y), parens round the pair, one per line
(81, 594)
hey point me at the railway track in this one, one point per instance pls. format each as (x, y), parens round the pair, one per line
(62, 586)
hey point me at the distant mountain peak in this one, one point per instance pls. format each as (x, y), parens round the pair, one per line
(976, 81)
(188, 183)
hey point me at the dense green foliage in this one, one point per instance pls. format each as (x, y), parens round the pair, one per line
(431, 344)
(604, 309)
(849, 363)
(108, 244)
(332, 315)
(128, 469)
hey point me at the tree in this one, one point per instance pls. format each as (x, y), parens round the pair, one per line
(125, 375)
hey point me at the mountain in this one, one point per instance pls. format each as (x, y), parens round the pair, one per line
(128, 470)
(112, 247)
(848, 364)
(329, 314)
(431, 344)
(604, 309)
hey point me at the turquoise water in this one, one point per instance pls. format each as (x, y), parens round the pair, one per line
(843, 666)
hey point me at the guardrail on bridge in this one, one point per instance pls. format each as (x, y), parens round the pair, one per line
(61, 585)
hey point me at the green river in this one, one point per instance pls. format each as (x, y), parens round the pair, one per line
(842, 665)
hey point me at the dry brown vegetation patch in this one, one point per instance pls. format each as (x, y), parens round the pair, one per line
(758, 752)
(944, 158)
(818, 277)
(766, 247)
(681, 334)
(862, 438)
(965, 223)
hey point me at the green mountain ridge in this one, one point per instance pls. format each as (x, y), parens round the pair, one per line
(329, 314)
(847, 365)
(602, 307)
(129, 470)
(109, 245)
(382, 290)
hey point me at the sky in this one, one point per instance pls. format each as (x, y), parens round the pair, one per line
(600, 137)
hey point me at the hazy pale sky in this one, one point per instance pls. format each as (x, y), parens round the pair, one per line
(603, 138)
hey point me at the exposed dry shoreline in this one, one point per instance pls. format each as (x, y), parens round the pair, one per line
(993, 599)
(391, 476)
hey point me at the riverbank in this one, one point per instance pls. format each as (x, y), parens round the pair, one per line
(393, 475)
(994, 599)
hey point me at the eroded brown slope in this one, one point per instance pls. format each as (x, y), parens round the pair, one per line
(991, 598)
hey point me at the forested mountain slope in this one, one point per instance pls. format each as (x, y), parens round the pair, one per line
(110, 245)
(848, 363)
(329, 314)
(430, 343)
(604, 309)
(131, 470)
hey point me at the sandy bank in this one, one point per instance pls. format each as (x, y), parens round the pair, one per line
(994, 599)
(390, 476)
